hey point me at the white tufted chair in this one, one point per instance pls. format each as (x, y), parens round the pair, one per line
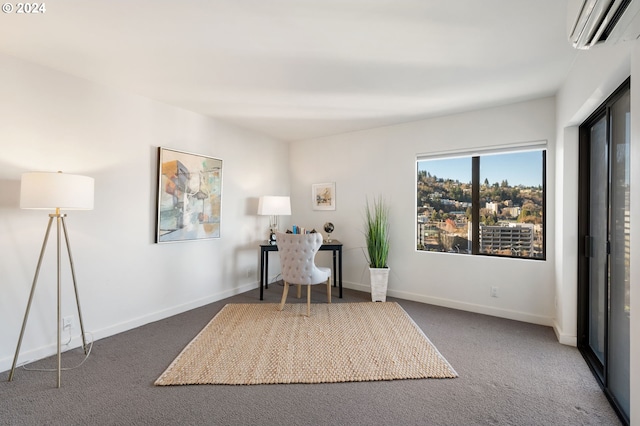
(297, 260)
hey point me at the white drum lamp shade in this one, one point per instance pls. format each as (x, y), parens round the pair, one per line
(272, 205)
(50, 190)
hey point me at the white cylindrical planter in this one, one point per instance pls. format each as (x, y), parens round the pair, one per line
(379, 280)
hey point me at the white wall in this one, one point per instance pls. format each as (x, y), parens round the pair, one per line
(594, 76)
(382, 161)
(51, 121)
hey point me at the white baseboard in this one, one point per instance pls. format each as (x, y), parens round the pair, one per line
(565, 339)
(463, 306)
(51, 349)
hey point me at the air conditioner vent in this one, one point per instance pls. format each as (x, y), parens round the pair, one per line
(592, 22)
(614, 21)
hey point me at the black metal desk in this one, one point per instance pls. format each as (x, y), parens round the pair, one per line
(335, 246)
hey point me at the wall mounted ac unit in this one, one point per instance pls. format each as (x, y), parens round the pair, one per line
(592, 22)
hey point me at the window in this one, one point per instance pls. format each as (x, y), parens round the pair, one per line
(488, 204)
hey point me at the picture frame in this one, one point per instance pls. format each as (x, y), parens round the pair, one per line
(323, 196)
(189, 196)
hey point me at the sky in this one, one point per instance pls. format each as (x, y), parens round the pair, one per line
(518, 168)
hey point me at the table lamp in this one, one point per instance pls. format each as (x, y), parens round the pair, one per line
(54, 191)
(274, 206)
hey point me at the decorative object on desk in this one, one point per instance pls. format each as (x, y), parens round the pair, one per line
(189, 196)
(274, 206)
(377, 239)
(55, 191)
(332, 348)
(328, 228)
(323, 196)
(295, 229)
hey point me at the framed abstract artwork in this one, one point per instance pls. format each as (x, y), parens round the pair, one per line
(189, 196)
(323, 196)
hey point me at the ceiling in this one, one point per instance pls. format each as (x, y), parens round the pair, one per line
(301, 69)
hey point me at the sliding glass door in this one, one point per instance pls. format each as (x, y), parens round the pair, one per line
(597, 239)
(604, 226)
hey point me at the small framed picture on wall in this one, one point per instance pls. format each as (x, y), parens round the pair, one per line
(323, 196)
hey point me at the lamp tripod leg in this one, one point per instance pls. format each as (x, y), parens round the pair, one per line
(33, 288)
(75, 286)
(59, 279)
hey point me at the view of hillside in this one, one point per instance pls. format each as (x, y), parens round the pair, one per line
(444, 214)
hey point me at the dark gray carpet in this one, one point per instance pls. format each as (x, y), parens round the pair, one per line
(511, 373)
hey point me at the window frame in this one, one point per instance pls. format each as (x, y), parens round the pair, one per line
(475, 193)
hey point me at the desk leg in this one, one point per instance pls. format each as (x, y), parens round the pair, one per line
(266, 269)
(261, 273)
(339, 269)
(335, 277)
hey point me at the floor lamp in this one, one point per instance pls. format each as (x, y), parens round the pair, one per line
(54, 191)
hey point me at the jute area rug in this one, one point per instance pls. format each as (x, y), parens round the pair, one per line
(247, 344)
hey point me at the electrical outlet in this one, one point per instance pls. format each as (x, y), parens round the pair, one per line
(67, 322)
(494, 292)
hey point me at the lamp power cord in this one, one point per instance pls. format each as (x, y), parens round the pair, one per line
(90, 345)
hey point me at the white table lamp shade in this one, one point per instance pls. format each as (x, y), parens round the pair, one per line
(271, 205)
(50, 190)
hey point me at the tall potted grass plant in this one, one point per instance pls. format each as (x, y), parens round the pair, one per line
(377, 238)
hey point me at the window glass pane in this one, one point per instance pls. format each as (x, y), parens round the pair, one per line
(620, 258)
(444, 205)
(511, 204)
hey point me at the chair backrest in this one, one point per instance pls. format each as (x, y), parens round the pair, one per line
(297, 258)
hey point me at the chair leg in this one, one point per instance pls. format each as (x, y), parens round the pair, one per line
(308, 300)
(284, 295)
(329, 289)
(299, 291)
